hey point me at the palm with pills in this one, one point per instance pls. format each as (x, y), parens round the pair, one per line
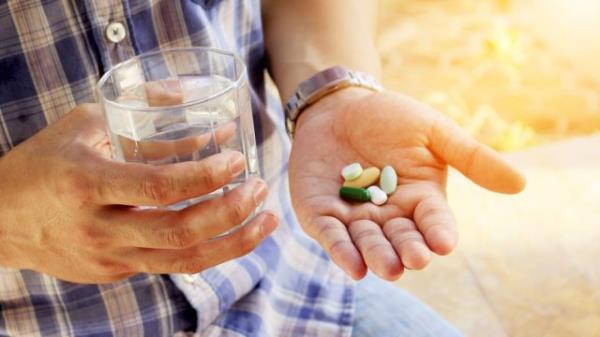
(377, 129)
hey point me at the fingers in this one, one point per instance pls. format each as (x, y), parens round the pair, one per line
(164, 92)
(408, 243)
(224, 132)
(436, 222)
(478, 162)
(376, 250)
(166, 229)
(140, 184)
(333, 236)
(186, 148)
(207, 254)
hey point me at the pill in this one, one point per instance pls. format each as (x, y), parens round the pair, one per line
(355, 194)
(378, 196)
(352, 171)
(388, 181)
(367, 178)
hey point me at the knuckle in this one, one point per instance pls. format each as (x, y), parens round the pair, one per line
(372, 248)
(336, 246)
(158, 187)
(325, 229)
(237, 212)
(209, 176)
(110, 267)
(247, 243)
(424, 209)
(180, 237)
(91, 238)
(75, 185)
(191, 267)
(366, 234)
(471, 156)
(399, 227)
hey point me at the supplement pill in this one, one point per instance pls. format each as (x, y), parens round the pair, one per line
(355, 194)
(368, 177)
(352, 171)
(388, 180)
(378, 197)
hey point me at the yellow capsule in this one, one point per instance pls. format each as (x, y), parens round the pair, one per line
(366, 179)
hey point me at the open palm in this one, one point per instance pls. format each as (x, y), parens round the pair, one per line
(376, 130)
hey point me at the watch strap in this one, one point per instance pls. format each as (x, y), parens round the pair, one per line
(322, 84)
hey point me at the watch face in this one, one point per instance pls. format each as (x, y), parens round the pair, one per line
(322, 79)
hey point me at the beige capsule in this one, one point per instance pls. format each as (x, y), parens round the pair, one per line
(367, 178)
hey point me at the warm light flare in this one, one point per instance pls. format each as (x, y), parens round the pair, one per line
(511, 78)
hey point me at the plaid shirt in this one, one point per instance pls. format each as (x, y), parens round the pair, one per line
(51, 54)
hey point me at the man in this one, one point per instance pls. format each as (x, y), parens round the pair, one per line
(79, 260)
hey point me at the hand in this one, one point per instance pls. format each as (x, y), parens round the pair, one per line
(376, 129)
(66, 208)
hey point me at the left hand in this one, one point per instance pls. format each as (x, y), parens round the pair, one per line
(376, 129)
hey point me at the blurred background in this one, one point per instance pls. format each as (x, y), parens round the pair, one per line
(514, 73)
(523, 77)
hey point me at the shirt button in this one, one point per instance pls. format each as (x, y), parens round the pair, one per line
(115, 32)
(188, 278)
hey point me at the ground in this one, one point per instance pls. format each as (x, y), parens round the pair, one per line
(526, 265)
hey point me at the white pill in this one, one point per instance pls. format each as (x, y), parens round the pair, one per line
(388, 181)
(378, 196)
(352, 171)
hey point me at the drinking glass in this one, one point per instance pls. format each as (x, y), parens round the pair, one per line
(180, 105)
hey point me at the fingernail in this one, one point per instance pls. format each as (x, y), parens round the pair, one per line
(261, 192)
(237, 164)
(268, 224)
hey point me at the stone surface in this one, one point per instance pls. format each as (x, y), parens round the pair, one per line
(526, 265)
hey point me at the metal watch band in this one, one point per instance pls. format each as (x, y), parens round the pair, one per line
(320, 85)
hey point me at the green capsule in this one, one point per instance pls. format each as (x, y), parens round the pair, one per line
(355, 194)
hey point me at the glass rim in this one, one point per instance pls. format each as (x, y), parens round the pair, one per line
(233, 84)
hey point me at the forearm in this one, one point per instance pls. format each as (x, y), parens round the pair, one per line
(307, 36)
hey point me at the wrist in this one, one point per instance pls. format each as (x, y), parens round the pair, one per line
(330, 103)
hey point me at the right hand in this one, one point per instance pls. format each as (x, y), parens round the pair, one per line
(66, 208)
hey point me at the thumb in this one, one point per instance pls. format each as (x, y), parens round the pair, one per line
(476, 161)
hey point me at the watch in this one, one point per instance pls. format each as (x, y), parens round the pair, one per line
(320, 85)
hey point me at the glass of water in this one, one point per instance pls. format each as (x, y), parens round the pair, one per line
(180, 105)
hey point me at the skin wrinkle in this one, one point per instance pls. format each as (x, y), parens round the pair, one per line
(471, 157)
(395, 240)
(372, 247)
(323, 224)
(407, 227)
(335, 243)
(363, 233)
(429, 209)
(333, 207)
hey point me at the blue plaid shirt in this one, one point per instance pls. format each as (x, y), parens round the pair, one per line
(51, 54)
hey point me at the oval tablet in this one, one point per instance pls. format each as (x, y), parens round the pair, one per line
(378, 197)
(367, 178)
(388, 180)
(352, 171)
